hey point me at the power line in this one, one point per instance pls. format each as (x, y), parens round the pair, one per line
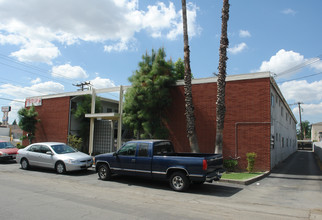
(28, 67)
(301, 77)
(299, 66)
(13, 100)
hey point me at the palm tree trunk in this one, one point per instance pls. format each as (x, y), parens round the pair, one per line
(221, 81)
(191, 131)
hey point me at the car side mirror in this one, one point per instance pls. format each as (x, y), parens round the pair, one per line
(49, 153)
(115, 154)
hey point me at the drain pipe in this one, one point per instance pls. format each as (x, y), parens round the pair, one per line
(236, 133)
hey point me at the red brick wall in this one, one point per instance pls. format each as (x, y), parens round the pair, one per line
(54, 117)
(246, 101)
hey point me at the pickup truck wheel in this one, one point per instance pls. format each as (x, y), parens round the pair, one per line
(179, 181)
(104, 172)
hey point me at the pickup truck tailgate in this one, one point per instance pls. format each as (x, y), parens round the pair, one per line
(214, 164)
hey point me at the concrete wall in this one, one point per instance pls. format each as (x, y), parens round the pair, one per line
(316, 132)
(318, 149)
(283, 130)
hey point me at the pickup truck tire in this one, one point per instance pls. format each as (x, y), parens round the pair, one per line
(104, 172)
(179, 181)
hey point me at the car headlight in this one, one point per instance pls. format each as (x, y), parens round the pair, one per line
(72, 161)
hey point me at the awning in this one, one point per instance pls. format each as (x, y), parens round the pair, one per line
(100, 116)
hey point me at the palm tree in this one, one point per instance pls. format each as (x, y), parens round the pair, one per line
(191, 131)
(221, 81)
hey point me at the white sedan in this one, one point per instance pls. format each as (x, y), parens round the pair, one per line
(54, 155)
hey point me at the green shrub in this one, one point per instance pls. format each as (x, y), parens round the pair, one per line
(230, 164)
(75, 142)
(251, 161)
(19, 146)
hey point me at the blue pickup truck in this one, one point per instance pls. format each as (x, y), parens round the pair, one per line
(156, 159)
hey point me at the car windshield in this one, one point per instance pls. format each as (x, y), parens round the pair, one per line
(63, 149)
(5, 145)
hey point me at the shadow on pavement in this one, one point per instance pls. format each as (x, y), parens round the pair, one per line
(209, 189)
(89, 171)
(299, 163)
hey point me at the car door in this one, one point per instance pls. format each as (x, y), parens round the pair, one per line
(143, 160)
(33, 155)
(126, 159)
(46, 160)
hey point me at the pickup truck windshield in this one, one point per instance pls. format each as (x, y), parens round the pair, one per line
(163, 148)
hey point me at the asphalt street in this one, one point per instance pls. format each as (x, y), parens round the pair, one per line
(292, 191)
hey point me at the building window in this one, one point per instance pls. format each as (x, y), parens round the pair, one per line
(282, 142)
(272, 100)
(282, 111)
(286, 142)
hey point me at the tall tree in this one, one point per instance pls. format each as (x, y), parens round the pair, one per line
(221, 81)
(191, 130)
(27, 121)
(149, 95)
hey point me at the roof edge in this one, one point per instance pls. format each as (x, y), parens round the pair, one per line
(244, 76)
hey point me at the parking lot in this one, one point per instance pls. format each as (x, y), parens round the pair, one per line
(292, 191)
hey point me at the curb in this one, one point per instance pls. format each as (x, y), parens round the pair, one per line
(247, 181)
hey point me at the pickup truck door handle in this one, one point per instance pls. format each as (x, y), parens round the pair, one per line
(133, 160)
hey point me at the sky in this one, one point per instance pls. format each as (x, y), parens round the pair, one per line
(47, 47)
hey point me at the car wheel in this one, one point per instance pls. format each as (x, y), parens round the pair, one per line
(104, 172)
(60, 167)
(179, 181)
(24, 164)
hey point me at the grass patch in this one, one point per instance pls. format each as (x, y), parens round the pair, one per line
(240, 176)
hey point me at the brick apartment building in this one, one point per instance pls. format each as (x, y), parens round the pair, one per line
(258, 119)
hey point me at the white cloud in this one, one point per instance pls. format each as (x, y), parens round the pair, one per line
(15, 107)
(193, 28)
(244, 33)
(34, 52)
(282, 61)
(122, 45)
(68, 71)
(37, 26)
(317, 65)
(238, 48)
(99, 83)
(300, 91)
(289, 11)
(44, 88)
(35, 81)
(309, 112)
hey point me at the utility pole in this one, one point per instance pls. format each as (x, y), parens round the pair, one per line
(301, 130)
(81, 85)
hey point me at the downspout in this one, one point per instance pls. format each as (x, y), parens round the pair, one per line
(236, 134)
